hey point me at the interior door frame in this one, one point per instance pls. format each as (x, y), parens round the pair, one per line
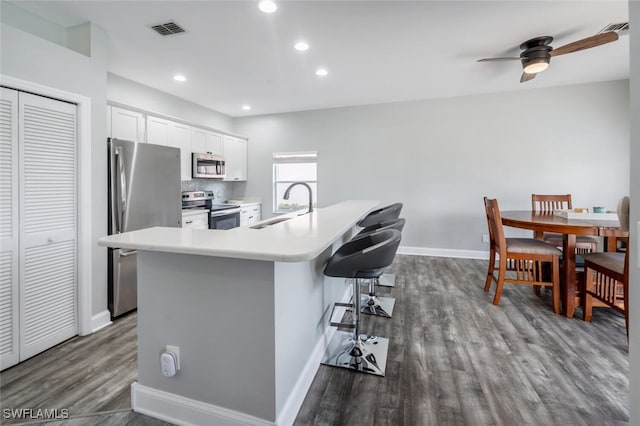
(85, 248)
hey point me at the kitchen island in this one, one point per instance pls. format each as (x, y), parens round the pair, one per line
(248, 309)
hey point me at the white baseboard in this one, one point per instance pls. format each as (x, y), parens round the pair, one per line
(179, 410)
(100, 321)
(291, 407)
(440, 252)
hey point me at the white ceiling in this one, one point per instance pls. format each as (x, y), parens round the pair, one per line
(375, 51)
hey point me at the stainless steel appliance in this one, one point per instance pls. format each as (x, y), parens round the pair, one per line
(144, 191)
(207, 166)
(221, 216)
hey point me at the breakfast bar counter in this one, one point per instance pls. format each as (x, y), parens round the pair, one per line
(292, 237)
(248, 309)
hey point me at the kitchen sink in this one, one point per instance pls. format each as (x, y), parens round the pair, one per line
(271, 222)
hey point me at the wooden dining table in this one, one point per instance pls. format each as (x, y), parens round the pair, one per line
(540, 222)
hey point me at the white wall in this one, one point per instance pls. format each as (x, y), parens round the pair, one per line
(131, 93)
(27, 57)
(440, 157)
(634, 278)
(27, 21)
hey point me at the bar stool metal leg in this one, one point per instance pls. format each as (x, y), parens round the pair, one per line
(356, 351)
(373, 304)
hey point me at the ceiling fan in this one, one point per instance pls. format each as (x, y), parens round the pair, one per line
(537, 52)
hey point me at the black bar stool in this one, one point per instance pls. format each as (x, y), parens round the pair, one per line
(359, 259)
(390, 212)
(371, 303)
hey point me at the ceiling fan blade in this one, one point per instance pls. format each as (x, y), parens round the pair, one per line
(527, 77)
(585, 43)
(498, 59)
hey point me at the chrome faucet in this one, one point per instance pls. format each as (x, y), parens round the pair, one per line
(288, 190)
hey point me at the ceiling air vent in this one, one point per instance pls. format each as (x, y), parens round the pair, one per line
(169, 28)
(618, 28)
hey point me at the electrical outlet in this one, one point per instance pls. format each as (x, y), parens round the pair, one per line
(175, 350)
(485, 238)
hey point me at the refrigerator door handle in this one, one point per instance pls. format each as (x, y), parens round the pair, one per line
(127, 253)
(121, 202)
(113, 225)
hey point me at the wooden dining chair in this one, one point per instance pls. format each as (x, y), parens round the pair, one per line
(547, 203)
(520, 260)
(606, 276)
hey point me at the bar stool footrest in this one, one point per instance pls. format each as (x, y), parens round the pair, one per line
(349, 307)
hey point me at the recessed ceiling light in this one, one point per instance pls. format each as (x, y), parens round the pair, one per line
(321, 72)
(179, 77)
(267, 6)
(301, 46)
(246, 107)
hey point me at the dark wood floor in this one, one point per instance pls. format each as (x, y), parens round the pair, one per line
(454, 359)
(83, 375)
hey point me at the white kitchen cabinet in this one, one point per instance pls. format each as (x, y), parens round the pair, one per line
(125, 124)
(195, 219)
(38, 225)
(205, 141)
(250, 214)
(180, 137)
(169, 133)
(235, 156)
(157, 130)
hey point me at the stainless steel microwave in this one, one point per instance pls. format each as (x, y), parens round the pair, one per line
(207, 166)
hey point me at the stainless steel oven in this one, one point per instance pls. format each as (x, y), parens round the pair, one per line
(221, 216)
(224, 217)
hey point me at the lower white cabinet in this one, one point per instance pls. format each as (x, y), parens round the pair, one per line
(195, 219)
(250, 214)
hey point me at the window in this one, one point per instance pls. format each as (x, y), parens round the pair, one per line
(290, 167)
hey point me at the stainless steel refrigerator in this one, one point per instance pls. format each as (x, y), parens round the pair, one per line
(144, 191)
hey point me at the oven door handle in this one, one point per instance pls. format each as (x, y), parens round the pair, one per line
(225, 212)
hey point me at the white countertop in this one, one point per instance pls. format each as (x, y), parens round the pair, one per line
(245, 201)
(298, 239)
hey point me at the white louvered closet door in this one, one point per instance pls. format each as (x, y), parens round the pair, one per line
(9, 353)
(48, 223)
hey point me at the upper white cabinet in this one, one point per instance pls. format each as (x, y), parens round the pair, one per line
(125, 124)
(139, 127)
(177, 135)
(235, 156)
(205, 141)
(180, 137)
(157, 130)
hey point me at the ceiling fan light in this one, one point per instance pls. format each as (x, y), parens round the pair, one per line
(534, 67)
(267, 6)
